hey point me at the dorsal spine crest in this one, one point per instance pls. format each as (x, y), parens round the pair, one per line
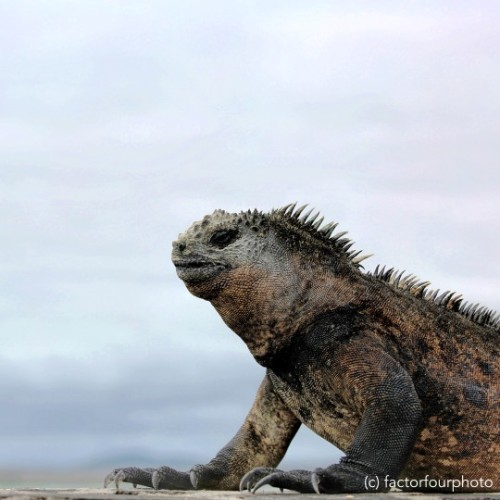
(325, 238)
(451, 301)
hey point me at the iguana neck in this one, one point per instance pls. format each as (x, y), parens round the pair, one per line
(267, 311)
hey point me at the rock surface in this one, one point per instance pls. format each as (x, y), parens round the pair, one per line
(147, 494)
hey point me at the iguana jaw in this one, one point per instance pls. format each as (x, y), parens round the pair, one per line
(197, 270)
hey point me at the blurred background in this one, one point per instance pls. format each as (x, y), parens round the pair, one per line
(121, 122)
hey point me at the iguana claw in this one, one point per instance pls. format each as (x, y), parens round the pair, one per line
(315, 482)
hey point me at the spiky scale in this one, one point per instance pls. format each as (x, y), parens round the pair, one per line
(419, 288)
(442, 297)
(343, 242)
(329, 228)
(318, 223)
(339, 235)
(310, 222)
(409, 282)
(454, 304)
(297, 213)
(361, 258)
(304, 218)
(396, 278)
(348, 245)
(287, 209)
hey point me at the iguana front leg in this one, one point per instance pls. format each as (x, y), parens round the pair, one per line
(261, 441)
(383, 441)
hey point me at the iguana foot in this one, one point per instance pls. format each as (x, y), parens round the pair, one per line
(296, 480)
(162, 478)
(134, 475)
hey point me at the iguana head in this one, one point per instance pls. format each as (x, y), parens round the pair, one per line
(213, 250)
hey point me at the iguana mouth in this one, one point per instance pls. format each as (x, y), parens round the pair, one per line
(190, 264)
(195, 270)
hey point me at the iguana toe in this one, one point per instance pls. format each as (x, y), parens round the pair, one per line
(271, 480)
(166, 478)
(250, 479)
(295, 480)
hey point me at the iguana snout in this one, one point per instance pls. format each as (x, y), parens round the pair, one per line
(219, 242)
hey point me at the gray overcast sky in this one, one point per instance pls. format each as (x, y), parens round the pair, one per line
(121, 122)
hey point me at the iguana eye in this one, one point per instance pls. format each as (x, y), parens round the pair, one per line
(224, 237)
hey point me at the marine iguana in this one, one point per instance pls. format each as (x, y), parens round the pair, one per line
(404, 380)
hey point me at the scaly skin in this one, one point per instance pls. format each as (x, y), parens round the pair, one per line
(406, 384)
